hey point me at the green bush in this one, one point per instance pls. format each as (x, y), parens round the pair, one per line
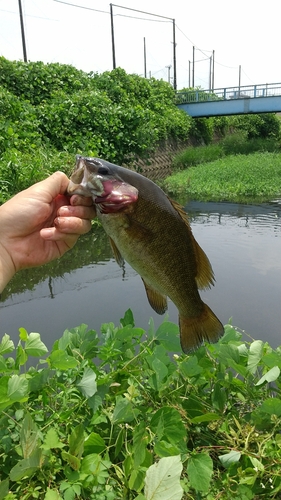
(20, 169)
(238, 178)
(196, 155)
(19, 125)
(36, 82)
(238, 143)
(266, 125)
(113, 416)
(202, 130)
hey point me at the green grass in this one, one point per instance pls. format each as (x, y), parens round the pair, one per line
(239, 178)
(99, 411)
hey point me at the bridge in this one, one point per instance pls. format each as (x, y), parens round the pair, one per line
(262, 98)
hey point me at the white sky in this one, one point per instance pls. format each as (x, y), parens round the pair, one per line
(245, 33)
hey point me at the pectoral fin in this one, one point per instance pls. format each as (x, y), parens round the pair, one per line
(117, 255)
(157, 301)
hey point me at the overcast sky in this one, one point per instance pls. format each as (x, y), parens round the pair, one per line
(242, 33)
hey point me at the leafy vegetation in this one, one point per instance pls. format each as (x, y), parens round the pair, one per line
(114, 416)
(239, 178)
(51, 112)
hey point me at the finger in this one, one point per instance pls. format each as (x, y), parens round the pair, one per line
(77, 211)
(53, 186)
(75, 200)
(54, 234)
(72, 225)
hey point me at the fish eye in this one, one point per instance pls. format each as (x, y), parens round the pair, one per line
(103, 171)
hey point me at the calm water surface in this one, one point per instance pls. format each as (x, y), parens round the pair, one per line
(243, 243)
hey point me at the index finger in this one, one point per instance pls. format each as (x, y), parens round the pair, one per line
(76, 199)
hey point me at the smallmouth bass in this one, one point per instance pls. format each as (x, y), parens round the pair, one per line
(152, 233)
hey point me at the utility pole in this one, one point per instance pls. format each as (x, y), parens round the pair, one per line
(112, 37)
(239, 84)
(144, 55)
(213, 77)
(210, 75)
(193, 62)
(189, 67)
(169, 72)
(22, 33)
(150, 14)
(174, 53)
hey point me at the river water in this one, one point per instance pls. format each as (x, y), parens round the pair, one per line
(243, 243)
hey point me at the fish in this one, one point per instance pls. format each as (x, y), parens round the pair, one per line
(152, 233)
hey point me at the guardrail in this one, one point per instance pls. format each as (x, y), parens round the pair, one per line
(228, 93)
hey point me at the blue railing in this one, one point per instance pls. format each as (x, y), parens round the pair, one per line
(242, 92)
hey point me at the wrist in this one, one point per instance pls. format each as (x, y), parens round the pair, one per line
(7, 268)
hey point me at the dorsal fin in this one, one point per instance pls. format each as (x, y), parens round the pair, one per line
(204, 272)
(157, 301)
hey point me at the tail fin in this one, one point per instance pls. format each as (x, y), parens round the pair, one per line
(193, 331)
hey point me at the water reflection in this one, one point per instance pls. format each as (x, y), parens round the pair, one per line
(87, 286)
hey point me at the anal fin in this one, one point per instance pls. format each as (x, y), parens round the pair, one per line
(157, 301)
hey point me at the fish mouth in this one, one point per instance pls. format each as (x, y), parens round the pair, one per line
(117, 195)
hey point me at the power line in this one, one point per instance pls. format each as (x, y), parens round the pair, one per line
(81, 6)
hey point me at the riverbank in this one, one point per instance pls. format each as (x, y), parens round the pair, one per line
(236, 178)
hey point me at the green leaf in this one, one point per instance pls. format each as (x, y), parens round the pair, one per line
(136, 481)
(123, 411)
(17, 388)
(60, 360)
(73, 461)
(128, 319)
(167, 424)
(52, 440)
(23, 334)
(162, 480)
(52, 495)
(21, 357)
(34, 346)
(6, 344)
(161, 372)
(4, 399)
(206, 417)
(27, 466)
(29, 436)
(4, 488)
(230, 458)
(3, 366)
(168, 335)
(190, 367)
(272, 406)
(165, 449)
(94, 443)
(140, 441)
(219, 396)
(200, 470)
(87, 384)
(255, 355)
(76, 441)
(270, 376)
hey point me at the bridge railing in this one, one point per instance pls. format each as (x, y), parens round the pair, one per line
(242, 92)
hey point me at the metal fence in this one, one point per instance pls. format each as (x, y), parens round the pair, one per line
(242, 92)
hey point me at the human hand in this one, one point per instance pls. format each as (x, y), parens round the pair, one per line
(40, 224)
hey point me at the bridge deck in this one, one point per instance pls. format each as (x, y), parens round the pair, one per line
(263, 98)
